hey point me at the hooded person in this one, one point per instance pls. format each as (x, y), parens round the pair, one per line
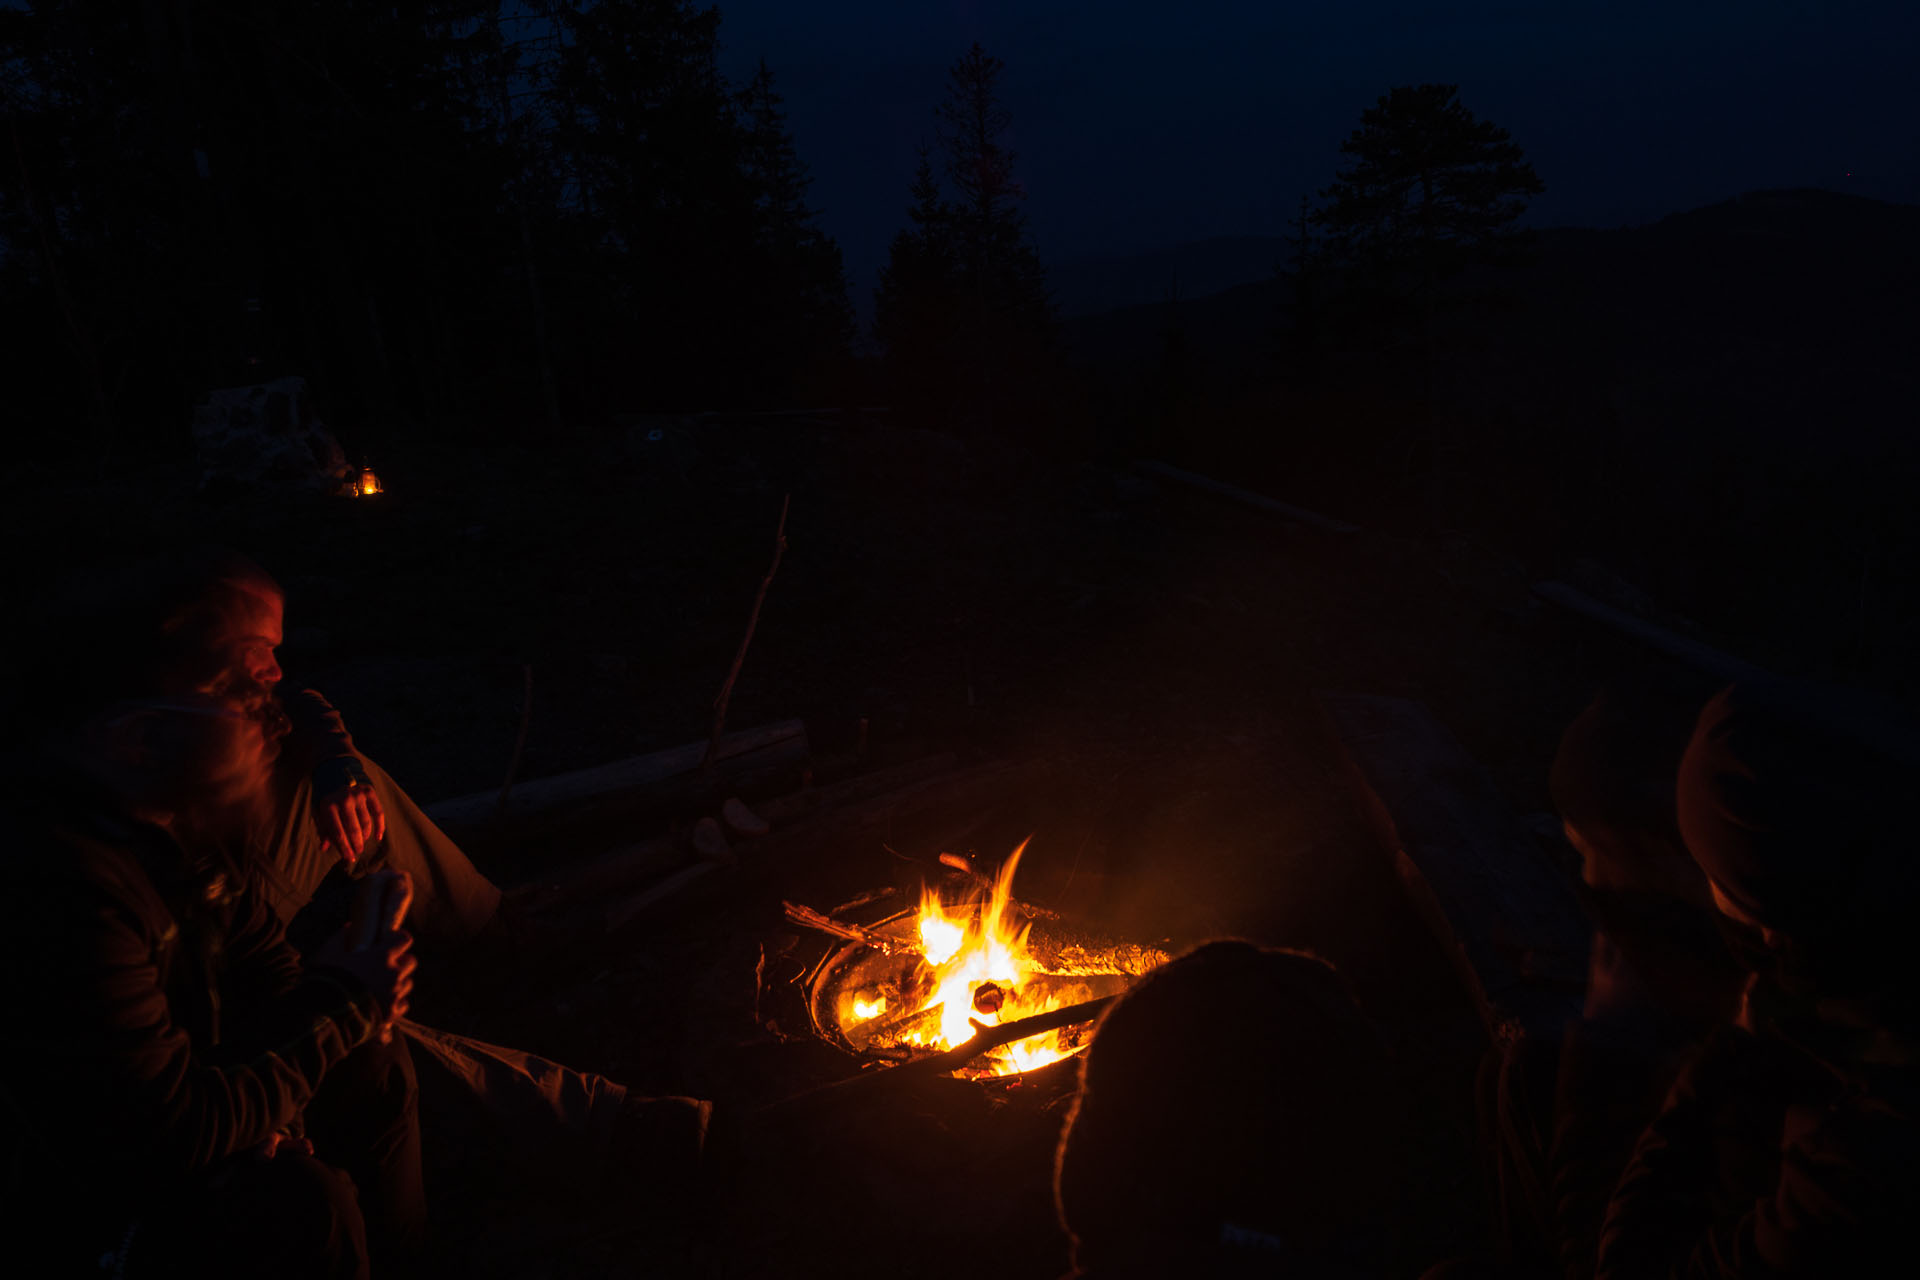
(1238, 1116)
(1791, 1143)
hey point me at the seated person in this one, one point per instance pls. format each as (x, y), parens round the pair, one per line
(1790, 1145)
(1562, 1115)
(205, 624)
(210, 621)
(185, 1094)
(1238, 1116)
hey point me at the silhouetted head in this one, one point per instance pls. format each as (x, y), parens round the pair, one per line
(1791, 800)
(1238, 1115)
(1613, 786)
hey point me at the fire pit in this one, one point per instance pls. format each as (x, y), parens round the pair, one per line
(923, 983)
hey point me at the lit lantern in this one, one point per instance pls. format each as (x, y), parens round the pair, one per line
(366, 484)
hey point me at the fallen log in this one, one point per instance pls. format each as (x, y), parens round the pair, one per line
(625, 913)
(1246, 498)
(659, 776)
(640, 861)
(1693, 653)
(968, 789)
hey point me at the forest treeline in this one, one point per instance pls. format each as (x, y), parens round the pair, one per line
(457, 213)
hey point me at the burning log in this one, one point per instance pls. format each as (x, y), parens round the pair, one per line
(988, 1039)
(1048, 955)
(863, 1089)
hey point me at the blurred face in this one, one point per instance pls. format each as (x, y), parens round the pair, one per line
(204, 758)
(245, 648)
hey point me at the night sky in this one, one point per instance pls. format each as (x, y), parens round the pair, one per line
(1137, 128)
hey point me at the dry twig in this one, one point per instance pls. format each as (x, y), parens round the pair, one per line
(753, 620)
(520, 740)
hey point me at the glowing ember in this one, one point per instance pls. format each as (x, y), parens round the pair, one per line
(865, 1009)
(981, 977)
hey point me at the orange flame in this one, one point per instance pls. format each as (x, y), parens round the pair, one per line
(970, 951)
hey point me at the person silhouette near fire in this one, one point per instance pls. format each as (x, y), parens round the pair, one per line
(1790, 1144)
(186, 1093)
(1238, 1116)
(186, 642)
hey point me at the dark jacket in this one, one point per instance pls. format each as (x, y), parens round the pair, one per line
(1794, 1152)
(161, 1022)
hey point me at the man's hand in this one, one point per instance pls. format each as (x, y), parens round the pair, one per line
(279, 1142)
(350, 820)
(374, 948)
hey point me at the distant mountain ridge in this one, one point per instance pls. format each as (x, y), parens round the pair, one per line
(1195, 269)
(1771, 313)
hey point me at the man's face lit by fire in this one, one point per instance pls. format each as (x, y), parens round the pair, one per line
(247, 670)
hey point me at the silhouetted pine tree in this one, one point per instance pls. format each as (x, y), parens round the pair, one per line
(802, 322)
(915, 303)
(1006, 329)
(468, 212)
(664, 202)
(1428, 190)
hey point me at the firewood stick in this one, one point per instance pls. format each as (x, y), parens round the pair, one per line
(808, 918)
(520, 739)
(865, 1087)
(989, 1038)
(740, 655)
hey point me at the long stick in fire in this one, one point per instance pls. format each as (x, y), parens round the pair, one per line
(865, 1087)
(1062, 961)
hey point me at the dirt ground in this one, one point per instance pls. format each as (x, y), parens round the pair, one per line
(1155, 651)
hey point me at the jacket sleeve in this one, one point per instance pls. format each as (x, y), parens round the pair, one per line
(266, 973)
(110, 1050)
(1606, 1093)
(1695, 1200)
(322, 736)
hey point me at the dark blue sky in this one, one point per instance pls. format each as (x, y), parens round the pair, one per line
(1139, 125)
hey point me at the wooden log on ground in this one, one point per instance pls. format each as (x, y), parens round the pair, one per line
(965, 789)
(1701, 657)
(1509, 918)
(644, 861)
(658, 778)
(1246, 497)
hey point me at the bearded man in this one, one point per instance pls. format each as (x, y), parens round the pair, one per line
(203, 626)
(186, 1093)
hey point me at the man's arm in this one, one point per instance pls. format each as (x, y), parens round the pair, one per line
(323, 739)
(1677, 1211)
(346, 809)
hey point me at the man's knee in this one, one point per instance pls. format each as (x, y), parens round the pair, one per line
(369, 1103)
(305, 1221)
(380, 1076)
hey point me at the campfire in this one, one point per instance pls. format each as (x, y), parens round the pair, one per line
(930, 981)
